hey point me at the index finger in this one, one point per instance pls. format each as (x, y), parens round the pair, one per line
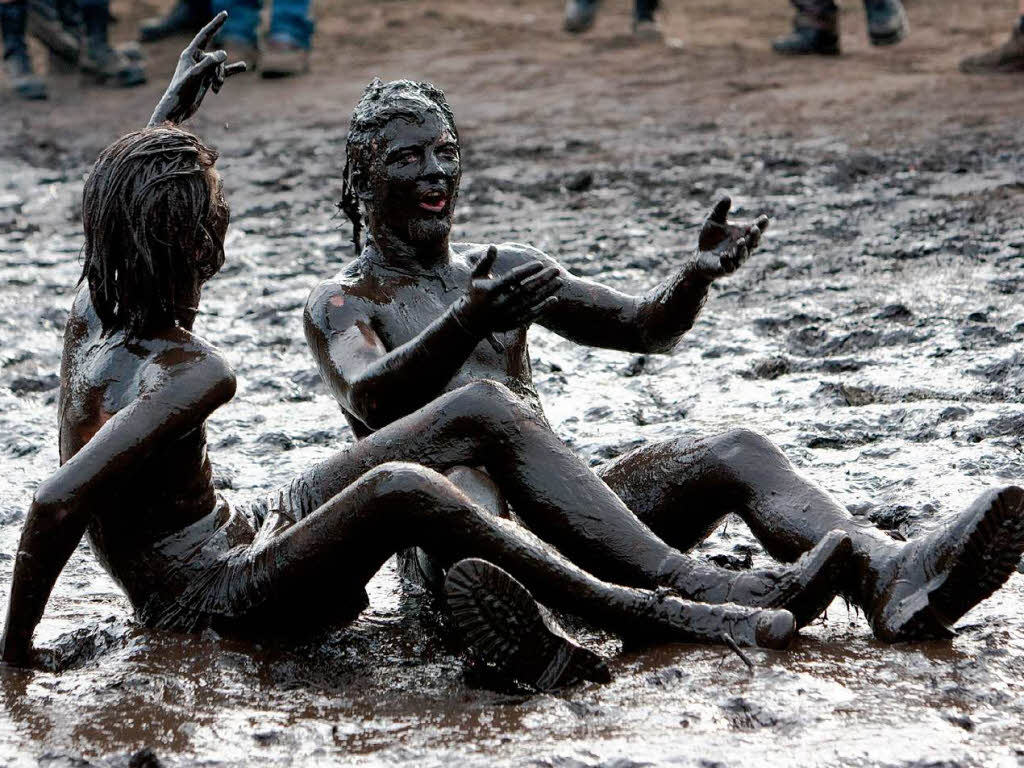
(205, 35)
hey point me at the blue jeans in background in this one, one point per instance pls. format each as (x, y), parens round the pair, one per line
(289, 20)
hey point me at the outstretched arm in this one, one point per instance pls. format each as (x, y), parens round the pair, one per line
(377, 385)
(197, 72)
(592, 314)
(63, 504)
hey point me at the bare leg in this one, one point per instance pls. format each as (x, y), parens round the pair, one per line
(683, 490)
(344, 542)
(552, 491)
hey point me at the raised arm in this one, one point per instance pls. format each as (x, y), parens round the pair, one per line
(64, 503)
(593, 314)
(197, 72)
(377, 385)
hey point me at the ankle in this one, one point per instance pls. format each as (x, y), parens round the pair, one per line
(692, 579)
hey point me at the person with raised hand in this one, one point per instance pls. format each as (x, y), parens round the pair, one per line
(138, 384)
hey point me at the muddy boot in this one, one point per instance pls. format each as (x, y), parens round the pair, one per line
(815, 31)
(579, 15)
(922, 591)
(281, 57)
(46, 25)
(186, 18)
(804, 588)
(107, 64)
(887, 21)
(17, 64)
(663, 616)
(505, 627)
(1009, 57)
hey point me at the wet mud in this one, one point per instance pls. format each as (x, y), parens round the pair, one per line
(877, 336)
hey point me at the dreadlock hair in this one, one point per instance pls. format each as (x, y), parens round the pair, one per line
(153, 228)
(380, 103)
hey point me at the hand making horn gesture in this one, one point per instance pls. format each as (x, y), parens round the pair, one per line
(515, 299)
(197, 72)
(723, 247)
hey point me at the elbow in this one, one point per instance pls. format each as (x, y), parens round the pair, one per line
(365, 406)
(50, 510)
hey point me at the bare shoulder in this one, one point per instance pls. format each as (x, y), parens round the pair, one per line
(347, 289)
(188, 369)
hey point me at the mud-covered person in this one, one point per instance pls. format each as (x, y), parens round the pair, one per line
(137, 386)
(415, 316)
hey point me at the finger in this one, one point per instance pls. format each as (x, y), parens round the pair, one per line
(539, 309)
(511, 280)
(496, 345)
(762, 222)
(234, 69)
(721, 210)
(483, 267)
(542, 290)
(753, 236)
(739, 256)
(546, 275)
(205, 35)
(209, 60)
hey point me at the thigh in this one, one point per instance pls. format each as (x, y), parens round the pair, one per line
(674, 488)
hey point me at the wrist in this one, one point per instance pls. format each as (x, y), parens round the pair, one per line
(459, 312)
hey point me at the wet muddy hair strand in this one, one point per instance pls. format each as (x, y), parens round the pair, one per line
(153, 228)
(380, 103)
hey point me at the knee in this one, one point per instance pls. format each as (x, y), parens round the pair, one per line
(739, 448)
(490, 403)
(404, 482)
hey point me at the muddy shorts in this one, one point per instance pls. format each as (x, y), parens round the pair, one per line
(208, 574)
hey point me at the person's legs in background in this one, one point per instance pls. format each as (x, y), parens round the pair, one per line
(240, 34)
(98, 57)
(289, 40)
(17, 64)
(645, 26)
(185, 17)
(1009, 57)
(815, 30)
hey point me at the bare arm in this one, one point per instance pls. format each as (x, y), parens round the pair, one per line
(63, 504)
(592, 314)
(377, 385)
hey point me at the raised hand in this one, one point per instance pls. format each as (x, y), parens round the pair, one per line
(197, 72)
(513, 300)
(723, 247)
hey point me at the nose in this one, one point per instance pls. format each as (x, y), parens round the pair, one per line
(434, 168)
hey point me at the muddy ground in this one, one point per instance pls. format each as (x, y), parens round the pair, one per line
(877, 337)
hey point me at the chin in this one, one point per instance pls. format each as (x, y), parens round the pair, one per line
(429, 230)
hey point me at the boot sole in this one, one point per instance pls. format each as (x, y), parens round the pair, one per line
(988, 558)
(506, 627)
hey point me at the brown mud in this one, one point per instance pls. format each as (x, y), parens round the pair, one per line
(876, 336)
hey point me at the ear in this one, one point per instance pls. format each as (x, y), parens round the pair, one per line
(361, 185)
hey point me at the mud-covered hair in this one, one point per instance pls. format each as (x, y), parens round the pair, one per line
(154, 228)
(382, 102)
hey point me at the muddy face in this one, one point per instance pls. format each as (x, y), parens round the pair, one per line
(413, 180)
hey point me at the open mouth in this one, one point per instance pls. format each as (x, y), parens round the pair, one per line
(433, 201)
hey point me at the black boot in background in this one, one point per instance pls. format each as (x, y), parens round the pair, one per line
(17, 64)
(98, 58)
